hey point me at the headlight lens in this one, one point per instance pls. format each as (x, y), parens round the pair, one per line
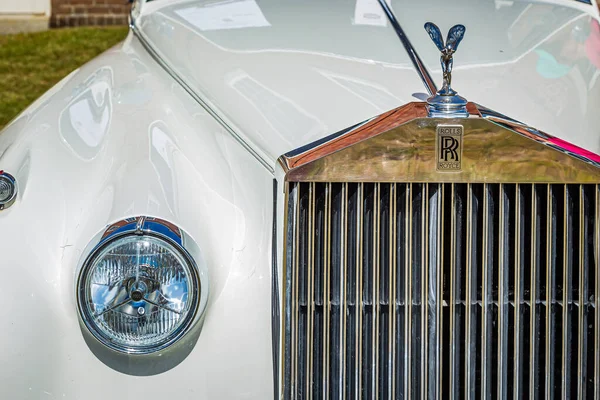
(8, 190)
(138, 293)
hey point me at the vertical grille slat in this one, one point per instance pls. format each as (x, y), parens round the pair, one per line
(327, 305)
(589, 296)
(351, 305)
(309, 296)
(471, 282)
(503, 291)
(346, 278)
(596, 292)
(533, 286)
(518, 296)
(405, 246)
(416, 287)
(435, 297)
(486, 301)
(581, 291)
(424, 291)
(456, 311)
(299, 301)
(334, 378)
(441, 290)
(375, 300)
(290, 281)
(393, 285)
(567, 267)
(550, 266)
(359, 289)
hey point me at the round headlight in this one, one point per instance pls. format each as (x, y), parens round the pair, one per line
(8, 190)
(138, 291)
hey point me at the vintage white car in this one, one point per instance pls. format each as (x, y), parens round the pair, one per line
(311, 200)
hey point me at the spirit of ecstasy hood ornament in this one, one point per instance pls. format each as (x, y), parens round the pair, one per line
(446, 102)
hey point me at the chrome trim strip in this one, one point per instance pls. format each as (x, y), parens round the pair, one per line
(410, 50)
(310, 297)
(295, 330)
(503, 292)
(326, 289)
(310, 146)
(519, 261)
(580, 311)
(437, 264)
(355, 154)
(567, 253)
(393, 286)
(275, 314)
(533, 294)
(550, 267)
(343, 294)
(375, 294)
(424, 294)
(470, 350)
(408, 291)
(597, 297)
(487, 267)
(454, 339)
(160, 61)
(288, 348)
(539, 136)
(359, 284)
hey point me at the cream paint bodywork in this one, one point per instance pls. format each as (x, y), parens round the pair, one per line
(295, 74)
(120, 137)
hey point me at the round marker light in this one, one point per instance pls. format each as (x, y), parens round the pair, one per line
(138, 290)
(8, 190)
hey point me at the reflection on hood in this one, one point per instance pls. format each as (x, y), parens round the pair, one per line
(592, 44)
(86, 120)
(548, 67)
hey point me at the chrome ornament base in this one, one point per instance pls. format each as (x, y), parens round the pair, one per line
(447, 105)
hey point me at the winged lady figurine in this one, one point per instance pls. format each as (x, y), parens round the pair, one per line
(455, 35)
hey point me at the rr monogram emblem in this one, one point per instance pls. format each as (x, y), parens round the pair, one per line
(449, 148)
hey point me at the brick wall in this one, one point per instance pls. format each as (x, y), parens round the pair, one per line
(89, 12)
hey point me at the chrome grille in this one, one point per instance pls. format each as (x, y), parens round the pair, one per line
(406, 290)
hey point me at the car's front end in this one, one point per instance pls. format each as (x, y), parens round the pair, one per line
(261, 200)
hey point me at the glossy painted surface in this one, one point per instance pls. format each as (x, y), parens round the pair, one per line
(285, 75)
(537, 63)
(118, 138)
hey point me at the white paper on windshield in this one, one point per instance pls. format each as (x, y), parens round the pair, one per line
(226, 15)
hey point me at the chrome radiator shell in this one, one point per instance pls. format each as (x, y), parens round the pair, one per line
(429, 290)
(402, 281)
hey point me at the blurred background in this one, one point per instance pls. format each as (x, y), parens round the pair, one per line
(34, 55)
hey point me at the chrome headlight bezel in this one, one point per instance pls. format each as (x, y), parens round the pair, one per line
(9, 182)
(173, 237)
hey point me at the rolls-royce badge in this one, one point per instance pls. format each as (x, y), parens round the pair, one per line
(449, 148)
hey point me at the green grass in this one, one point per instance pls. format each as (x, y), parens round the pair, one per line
(32, 63)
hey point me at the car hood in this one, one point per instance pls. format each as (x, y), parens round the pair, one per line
(284, 74)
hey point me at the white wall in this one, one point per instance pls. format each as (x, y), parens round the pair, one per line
(40, 7)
